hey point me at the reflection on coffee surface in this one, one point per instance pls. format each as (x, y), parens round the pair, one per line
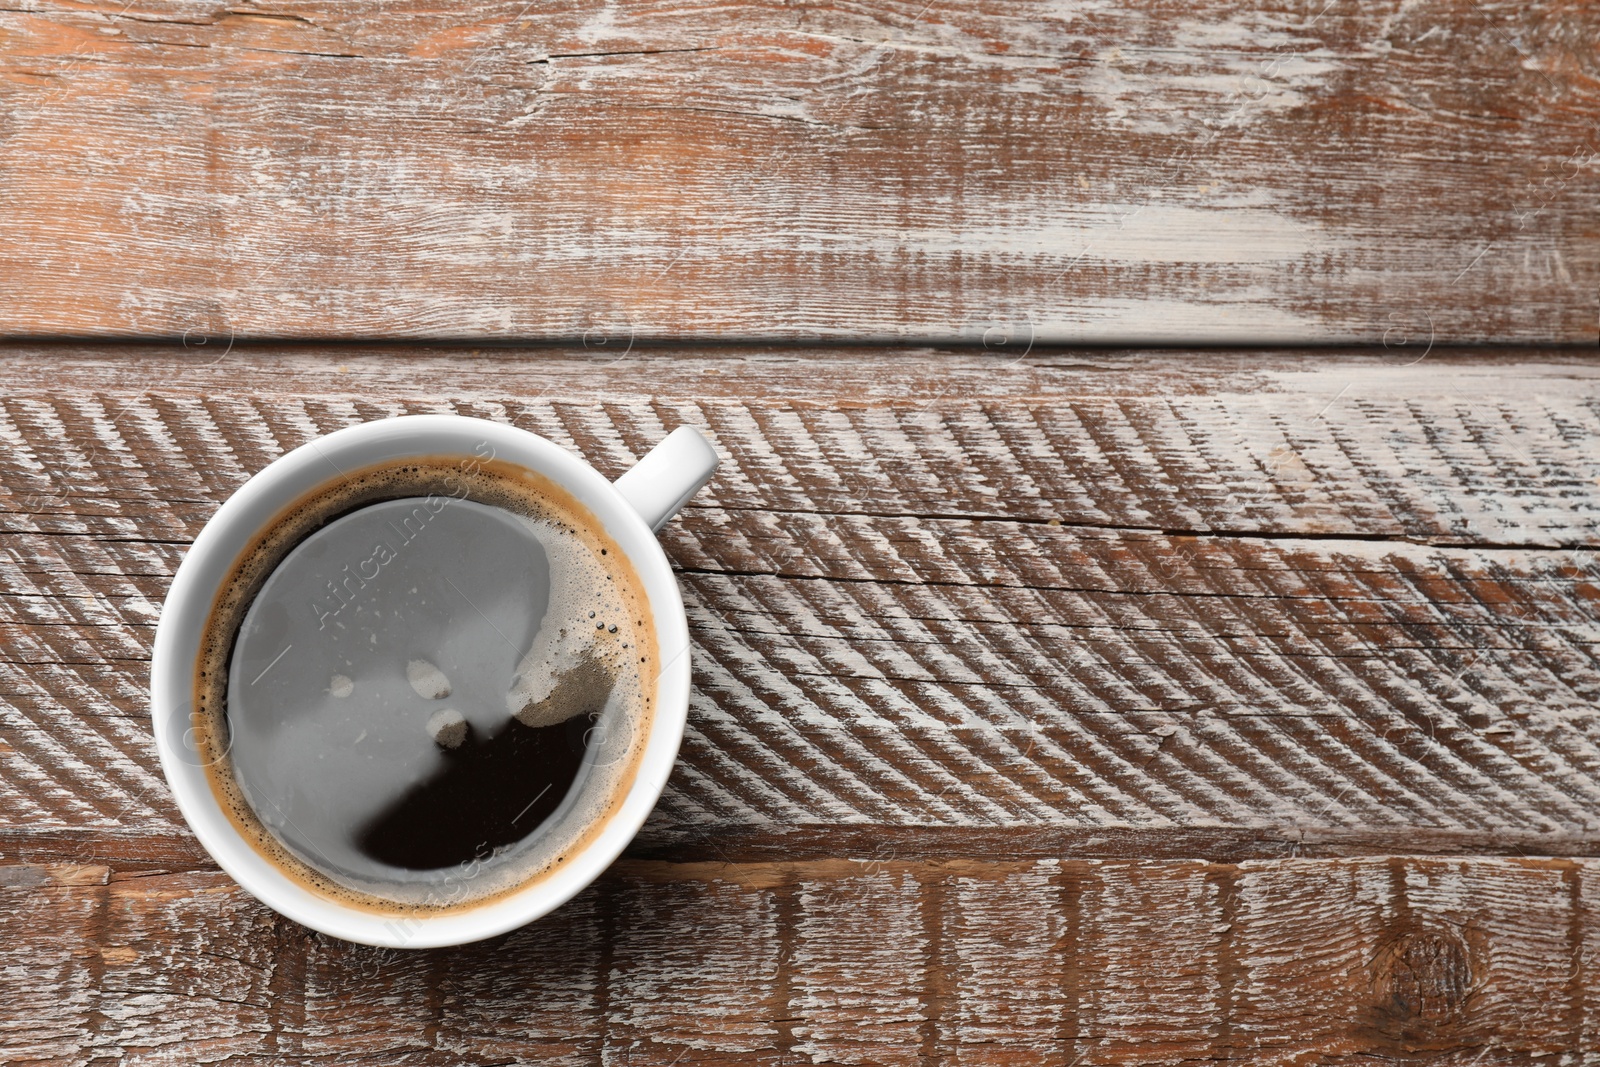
(430, 698)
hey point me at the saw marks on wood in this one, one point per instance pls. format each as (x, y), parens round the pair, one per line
(1360, 170)
(1322, 595)
(884, 961)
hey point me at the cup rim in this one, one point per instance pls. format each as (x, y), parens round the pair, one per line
(212, 555)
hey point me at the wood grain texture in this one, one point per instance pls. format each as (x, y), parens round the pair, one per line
(1068, 604)
(1347, 170)
(882, 961)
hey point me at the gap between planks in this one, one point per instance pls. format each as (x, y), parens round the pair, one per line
(134, 854)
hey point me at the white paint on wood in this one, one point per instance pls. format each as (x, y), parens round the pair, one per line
(1009, 942)
(542, 1001)
(892, 959)
(706, 172)
(709, 991)
(1176, 1007)
(860, 952)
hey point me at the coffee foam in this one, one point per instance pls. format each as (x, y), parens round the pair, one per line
(589, 574)
(578, 638)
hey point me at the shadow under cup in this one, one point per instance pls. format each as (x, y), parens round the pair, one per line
(504, 878)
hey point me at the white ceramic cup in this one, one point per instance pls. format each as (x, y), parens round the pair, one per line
(630, 511)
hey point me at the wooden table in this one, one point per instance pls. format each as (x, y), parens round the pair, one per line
(1089, 668)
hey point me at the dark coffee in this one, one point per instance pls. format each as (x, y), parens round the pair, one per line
(427, 683)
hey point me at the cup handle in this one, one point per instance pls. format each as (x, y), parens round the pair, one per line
(664, 480)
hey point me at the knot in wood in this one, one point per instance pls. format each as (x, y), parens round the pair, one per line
(1433, 974)
(1427, 976)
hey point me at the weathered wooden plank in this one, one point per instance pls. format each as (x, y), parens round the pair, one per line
(1011, 977)
(716, 990)
(1311, 169)
(186, 971)
(885, 960)
(1405, 956)
(394, 1014)
(562, 967)
(862, 951)
(1005, 609)
(50, 960)
(1464, 447)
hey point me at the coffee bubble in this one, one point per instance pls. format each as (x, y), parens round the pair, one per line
(427, 681)
(448, 728)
